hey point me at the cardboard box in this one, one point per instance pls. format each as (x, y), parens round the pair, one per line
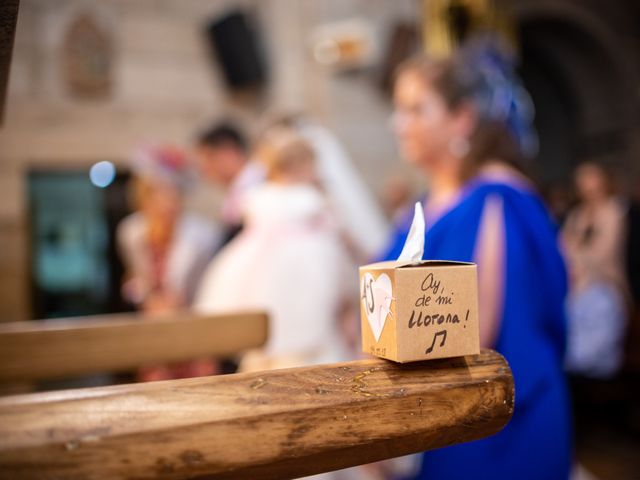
(413, 311)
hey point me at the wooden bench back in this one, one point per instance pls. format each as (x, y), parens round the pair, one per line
(267, 425)
(51, 349)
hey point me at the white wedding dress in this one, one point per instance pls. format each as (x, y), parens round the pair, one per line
(288, 260)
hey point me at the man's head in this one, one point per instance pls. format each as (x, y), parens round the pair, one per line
(222, 153)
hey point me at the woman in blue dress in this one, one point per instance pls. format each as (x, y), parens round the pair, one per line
(456, 122)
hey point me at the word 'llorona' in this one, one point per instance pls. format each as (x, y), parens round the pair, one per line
(434, 319)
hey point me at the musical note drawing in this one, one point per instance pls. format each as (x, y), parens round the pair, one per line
(444, 337)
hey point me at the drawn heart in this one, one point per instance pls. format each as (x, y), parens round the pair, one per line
(376, 297)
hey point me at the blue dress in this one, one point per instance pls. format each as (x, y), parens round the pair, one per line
(536, 444)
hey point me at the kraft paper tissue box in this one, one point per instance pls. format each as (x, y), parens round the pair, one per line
(414, 309)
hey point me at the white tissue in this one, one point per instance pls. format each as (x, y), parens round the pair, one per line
(414, 245)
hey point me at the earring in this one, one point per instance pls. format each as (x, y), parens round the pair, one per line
(459, 147)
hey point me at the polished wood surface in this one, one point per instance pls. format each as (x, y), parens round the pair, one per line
(277, 424)
(40, 350)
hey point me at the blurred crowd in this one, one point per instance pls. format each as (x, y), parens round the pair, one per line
(559, 279)
(601, 245)
(296, 221)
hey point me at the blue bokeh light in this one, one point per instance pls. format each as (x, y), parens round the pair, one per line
(102, 174)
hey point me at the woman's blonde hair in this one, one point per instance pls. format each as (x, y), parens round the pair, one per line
(282, 148)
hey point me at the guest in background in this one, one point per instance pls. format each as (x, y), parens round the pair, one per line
(163, 248)
(358, 213)
(289, 259)
(460, 121)
(362, 221)
(222, 153)
(594, 236)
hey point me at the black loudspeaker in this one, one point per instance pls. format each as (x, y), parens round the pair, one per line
(236, 46)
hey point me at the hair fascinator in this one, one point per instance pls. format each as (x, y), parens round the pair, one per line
(164, 163)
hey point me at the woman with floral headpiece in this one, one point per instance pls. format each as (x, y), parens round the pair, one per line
(463, 122)
(164, 249)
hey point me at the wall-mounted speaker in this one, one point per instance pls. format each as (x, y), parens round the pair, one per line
(236, 45)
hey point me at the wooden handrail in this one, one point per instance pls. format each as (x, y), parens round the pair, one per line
(276, 424)
(48, 349)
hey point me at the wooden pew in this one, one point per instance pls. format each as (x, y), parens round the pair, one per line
(277, 424)
(52, 349)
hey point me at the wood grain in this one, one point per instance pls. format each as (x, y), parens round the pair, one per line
(277, 424)
(39, 350)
